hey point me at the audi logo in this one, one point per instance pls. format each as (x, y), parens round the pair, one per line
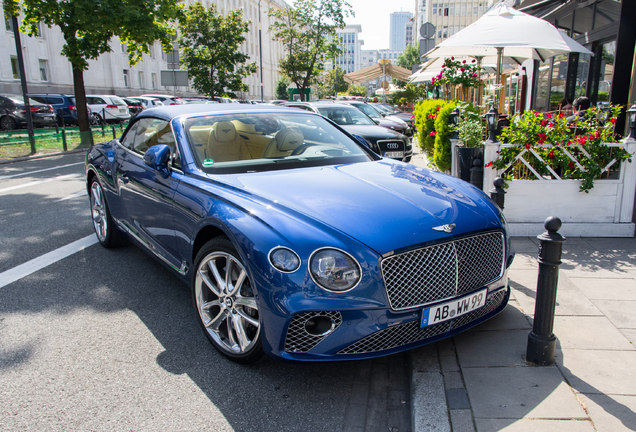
(392, 146)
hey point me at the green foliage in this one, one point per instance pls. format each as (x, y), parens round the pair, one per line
(308, 34)
(210, 49)
(550, 143)
(470, 126)
(425, 114)
(330, 82)
(357, 90)
(444, 131)
(410, 94)
(407, 59)
(281, 88)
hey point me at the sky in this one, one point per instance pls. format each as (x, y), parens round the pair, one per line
(373, 15)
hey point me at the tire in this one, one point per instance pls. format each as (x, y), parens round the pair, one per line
(229, 317)
(7, 123)
(107, 233)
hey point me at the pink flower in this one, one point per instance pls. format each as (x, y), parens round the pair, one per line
(544, 123)
(433, 80)
(474, 75)
(462, 69)
(452, 58)
(433, 133)
(528, 146)
(473, 61)
(536, 114)
(443, 66)
(464, 62)
(549, 115)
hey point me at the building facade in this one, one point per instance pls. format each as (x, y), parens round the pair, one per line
(351, 58)
(397, 35)
(47, 71)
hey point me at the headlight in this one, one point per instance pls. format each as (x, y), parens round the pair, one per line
(334, 270)
(283, 259)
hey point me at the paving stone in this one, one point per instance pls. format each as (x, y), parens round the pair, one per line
(491, 348)
(511, 318)
(620, 312)
(457, 398)
(590, 371)
(453, 380)
(462, 420)
(630, 334)
(524, 245)
(524, 262)
(449, 363)
(425, 359)
(525, 425)
(589, 333)
(518, 392)
(611, 413)
(607, 289)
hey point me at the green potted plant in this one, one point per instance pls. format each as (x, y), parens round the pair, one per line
(470, 131)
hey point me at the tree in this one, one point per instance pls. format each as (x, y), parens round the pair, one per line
(210, 44)
(281, 89)
(407, 59)
(89, 26)
(331, 82)
(357, 90)
(308, 34)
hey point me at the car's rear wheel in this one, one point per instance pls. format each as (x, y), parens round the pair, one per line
(107, 233)
(7, 123)
(225, 300)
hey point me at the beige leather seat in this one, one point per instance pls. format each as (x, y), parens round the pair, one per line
(225, 144)
(284, 143)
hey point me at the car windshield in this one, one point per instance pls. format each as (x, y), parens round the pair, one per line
(117, 101)
(368, 110)
(20, 100)
(390, 109)
(382, 109)
(235, 143)
(345, 115)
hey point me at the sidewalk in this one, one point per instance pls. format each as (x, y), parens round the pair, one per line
(482, 372)
(592, 386)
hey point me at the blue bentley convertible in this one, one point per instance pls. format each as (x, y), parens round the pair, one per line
(297, 240)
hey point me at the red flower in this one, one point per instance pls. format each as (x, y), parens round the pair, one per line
(548, 115)
(542, 138)
(473, 61)
(569, 142)
(536, 114)
(433, 80)
(452, 58)
(571, 164)
(443, 66)
(464, 62)
(551, 155)
(613, 120)
(474, 75)
(561, 115)
(489, 164)
(544, 123)
(582, 139)
(528, 146)
(438, 108)
(433, 133)
(462, 69)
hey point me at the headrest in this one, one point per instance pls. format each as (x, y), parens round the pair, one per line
(289, 139)
(224, 131)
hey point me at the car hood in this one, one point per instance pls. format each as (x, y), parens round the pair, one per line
(372, 131)
(386, 205)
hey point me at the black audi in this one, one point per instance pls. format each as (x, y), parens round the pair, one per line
(383, 141)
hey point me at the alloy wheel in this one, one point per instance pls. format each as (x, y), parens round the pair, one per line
(98, 211)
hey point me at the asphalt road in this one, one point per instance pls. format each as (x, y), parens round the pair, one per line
(107, 340)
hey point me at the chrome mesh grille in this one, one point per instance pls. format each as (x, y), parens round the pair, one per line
(298, 340)
(410, 332)
(395, 336)
(442, 271)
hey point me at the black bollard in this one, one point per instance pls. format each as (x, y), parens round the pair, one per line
(64, 145)
(497, 194)
(477, 174)
(114, 133)
(541, 340)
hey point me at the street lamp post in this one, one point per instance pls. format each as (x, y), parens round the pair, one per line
(25, 91)
(260, 47)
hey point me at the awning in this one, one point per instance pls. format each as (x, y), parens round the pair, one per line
(376, 71)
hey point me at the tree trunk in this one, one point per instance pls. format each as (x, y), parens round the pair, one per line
(80, 103)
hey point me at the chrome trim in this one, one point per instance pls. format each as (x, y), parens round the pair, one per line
(339, 250)
(184, 267)
(269, 259)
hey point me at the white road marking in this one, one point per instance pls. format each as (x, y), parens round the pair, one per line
(24, 185)
(39, 171)
(36, 264)
(75, 195)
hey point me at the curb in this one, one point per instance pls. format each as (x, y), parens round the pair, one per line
(40, 156)
(429, 410)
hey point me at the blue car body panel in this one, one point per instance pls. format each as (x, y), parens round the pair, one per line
(371, 210)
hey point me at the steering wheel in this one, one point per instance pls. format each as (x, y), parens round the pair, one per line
(301, 148)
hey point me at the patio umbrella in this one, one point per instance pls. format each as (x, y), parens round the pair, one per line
(433, 67)
(506, 31)
(376, 71)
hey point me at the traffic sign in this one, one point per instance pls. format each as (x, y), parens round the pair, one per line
(427, 30)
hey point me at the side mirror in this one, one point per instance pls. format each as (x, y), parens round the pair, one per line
(157, 158)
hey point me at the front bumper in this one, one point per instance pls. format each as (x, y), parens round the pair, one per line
(363, 334)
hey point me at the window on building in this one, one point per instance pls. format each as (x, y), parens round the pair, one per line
(40, 33)
(141, 80)
(8, 23)
(44, 70)
(446, 10)
(124, 47)
(14, 67)
(126, 78)
(152, 51)
(154, 80)
(434, 8)
(475, 11)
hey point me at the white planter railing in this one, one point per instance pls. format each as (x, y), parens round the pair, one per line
(606, 211)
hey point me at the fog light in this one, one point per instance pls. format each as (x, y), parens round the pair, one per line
(319, 325)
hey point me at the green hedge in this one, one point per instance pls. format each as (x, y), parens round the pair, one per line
(442, 155)
(426, 125)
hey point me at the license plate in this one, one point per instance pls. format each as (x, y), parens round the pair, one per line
(454, 308)
(394, 154)
(121, 110)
